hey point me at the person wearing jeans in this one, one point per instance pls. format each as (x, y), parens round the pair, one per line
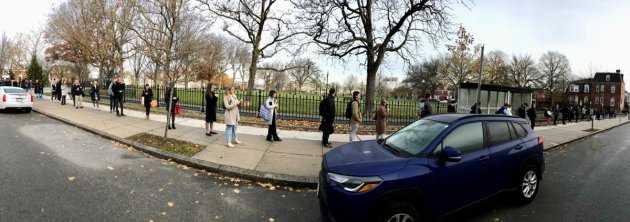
(77, 93)
(111, 95)
(231, 117)
(355, 121)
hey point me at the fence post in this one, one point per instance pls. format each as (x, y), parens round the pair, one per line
(203, 100)
(259, 99)
(157, 88)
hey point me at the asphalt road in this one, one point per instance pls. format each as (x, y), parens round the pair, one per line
(585, 181)
(53, 172)
(50, 171)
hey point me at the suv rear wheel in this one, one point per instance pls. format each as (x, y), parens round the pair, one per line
(400, 212)
(528, 184)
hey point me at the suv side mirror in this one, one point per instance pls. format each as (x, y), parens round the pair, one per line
(450, 154)
(380, 141)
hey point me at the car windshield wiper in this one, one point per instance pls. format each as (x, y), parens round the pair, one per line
(392, 149)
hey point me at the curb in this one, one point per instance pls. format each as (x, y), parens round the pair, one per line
(584, 137)
(224, 170)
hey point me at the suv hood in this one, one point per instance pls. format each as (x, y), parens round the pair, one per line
(366, 158)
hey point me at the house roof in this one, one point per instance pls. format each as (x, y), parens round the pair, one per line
(614, 77)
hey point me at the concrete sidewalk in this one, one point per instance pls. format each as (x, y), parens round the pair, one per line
(299, 155)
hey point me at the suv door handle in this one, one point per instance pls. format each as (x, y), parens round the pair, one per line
(483, 158)
(518, 147)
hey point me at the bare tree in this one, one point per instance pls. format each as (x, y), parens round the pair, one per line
(424, 77)
(343, 28)
(495, 70)
(523, 72)
(351, 83)
(138, 61)
(307, 70)
(262, 24)
(461, 59)
(554, 67)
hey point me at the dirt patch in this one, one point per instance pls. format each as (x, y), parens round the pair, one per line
(591, 130)
(171, 145)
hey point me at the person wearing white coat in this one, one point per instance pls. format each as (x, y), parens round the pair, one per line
(272, 105)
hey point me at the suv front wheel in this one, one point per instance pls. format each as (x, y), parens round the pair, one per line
(528, 185)
(400, 212)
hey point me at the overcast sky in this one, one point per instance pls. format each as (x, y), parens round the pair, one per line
(586, 31)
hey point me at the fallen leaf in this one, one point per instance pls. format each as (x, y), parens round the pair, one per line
(236, 185)
(150, 220)
(163, 213)
(170, 204)
(271, 220)
(71, 178)
(110, 168)
(196, 174)
(161, 189)
(497, 219)
(222, 194)
(272, 188)
(236, 191)
(217, 217)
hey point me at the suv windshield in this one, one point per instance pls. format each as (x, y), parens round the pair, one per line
(415, 137)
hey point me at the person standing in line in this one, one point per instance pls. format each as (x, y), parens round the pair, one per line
(94, 94)
(119, 91)
(565, 114)
(451, 108)
(171, 99)
(53, 92)
(271, 104)
(583, 111)
(426, 106)
(63, 91)
(570, 112)
(147, 97)
(77, 92)
(508, 110)
(328, 112)
(231, 117)
(381, 119)
(521, 110)
(475, 109)
(547, 116)
(357, 117)
(59, 92)
(30, 86)
(111, 94)
(556, 112)
(576, 113)
(211, 110)
(531, 113)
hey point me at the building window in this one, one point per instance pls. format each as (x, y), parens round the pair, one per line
(596, 100)
(607, 78)
(586, 88)
(612, 101)
(602, 88)
(612, 89)
(585, 100)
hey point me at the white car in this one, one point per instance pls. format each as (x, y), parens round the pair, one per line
(15, 98)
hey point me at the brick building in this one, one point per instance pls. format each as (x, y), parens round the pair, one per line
(606, 90)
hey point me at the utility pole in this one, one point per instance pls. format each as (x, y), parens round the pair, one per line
(479, 84)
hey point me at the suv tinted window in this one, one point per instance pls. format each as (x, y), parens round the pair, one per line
(466, 138)
(520, 131)
(415, 137)
(499, 132)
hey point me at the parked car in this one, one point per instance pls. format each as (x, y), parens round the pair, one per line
(15, 98)
(431, 168)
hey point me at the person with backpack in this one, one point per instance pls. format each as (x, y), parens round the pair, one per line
(521, 110)
(354, 114)
(476, 109)
(531, 113)
(327, 112)
(425, 106)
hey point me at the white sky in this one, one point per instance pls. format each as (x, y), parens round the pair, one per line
(588, 32)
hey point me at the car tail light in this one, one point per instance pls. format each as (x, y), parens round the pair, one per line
(31, 97)
(540, 140)
(4, 98)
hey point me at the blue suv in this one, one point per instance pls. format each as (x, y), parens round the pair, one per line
(430, 168)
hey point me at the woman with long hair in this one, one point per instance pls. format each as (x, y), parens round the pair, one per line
(147, 96)
(211, 110)
(271, 104)
(231, 117)
(94, 94)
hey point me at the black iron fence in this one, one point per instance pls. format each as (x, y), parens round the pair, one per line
(293, 106)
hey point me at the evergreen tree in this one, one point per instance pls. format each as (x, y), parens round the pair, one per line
(36, 72)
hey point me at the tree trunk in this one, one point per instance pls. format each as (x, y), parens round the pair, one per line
(370, 88)
(252, 74)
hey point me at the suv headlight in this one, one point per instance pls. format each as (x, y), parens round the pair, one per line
(355, 184)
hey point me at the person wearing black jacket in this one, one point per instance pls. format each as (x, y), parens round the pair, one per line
(77, 94)
(119, 90)
(147, 97)
(94, 94)
(168, 98)
(211, 110)
(531, 113)
(58, 95)
(521, 110)
(327, 111)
